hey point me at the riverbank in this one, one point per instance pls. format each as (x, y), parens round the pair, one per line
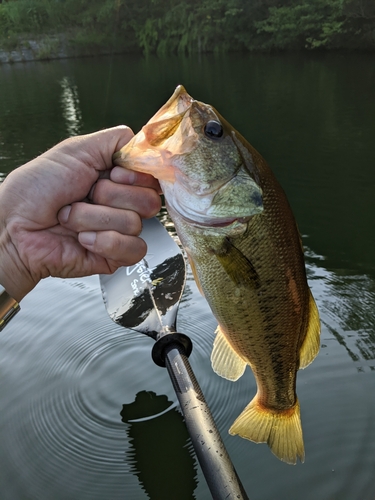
(29, 28)
(48, 47)
(51, 47)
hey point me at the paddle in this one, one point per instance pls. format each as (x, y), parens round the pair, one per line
(145, 298)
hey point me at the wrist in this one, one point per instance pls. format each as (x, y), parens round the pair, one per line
(9, 307)
(13, 277)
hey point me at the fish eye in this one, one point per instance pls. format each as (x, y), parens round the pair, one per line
(213, 129)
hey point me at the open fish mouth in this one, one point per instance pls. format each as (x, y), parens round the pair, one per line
(168, 133)
(213, 222)
(206, 222)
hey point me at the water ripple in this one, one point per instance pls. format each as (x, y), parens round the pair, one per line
(64, 385)
(68, 422)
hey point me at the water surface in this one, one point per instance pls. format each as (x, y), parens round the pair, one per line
(76, 390)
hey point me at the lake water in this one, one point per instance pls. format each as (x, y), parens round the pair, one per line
(67, 371)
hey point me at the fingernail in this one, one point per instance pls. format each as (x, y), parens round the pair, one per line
(64, 214)
(123, 176)
(87, 238)
(131, 177)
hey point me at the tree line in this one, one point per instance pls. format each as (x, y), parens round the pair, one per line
(188, 26)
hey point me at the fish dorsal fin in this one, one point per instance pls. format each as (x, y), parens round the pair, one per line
(225, 361)
(237, 266)
(311, 343)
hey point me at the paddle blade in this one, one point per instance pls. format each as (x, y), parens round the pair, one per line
(145, 297)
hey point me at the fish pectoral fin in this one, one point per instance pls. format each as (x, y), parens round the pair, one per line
(281, 430)
(195, 274)
(224, 359)
(237, 266)
(311, 344)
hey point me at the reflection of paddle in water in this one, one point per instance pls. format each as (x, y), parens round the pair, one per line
(166, 467)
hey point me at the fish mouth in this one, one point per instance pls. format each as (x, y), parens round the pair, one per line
(150, 150)
(203, 212)
(223, 222)
(217, 224)
(178, 103)
(209, 222)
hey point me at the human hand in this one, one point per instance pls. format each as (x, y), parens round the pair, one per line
(70, 213)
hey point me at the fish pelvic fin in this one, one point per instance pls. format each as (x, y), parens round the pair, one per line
(224, 359)
(281, 430)
(311, 344)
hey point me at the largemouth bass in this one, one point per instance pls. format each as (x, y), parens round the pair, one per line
(239, 233)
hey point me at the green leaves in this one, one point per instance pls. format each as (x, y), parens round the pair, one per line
(188, 26)
(315, 24)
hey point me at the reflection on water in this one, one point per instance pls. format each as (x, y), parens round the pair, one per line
(71, 107)
(67, 375)
(347, 311)
(161, 451)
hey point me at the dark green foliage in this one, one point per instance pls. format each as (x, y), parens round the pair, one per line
(307, 23)
(186, 26)
(315, 24)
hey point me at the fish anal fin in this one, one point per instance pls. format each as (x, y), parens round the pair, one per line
(225, 361)
(237, 266)
(311, 344)
(281, 430)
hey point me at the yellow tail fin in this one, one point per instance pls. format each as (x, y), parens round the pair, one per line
(281, 430)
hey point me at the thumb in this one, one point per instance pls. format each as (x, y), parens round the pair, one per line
(97, 148)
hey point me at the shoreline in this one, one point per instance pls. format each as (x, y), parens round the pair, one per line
(52, 47)
(35, 49)
(49, 47)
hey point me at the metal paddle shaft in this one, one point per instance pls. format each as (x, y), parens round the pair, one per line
(220, 474)
(145, 298)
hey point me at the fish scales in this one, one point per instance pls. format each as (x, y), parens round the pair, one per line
(239, 233)
(261, 320)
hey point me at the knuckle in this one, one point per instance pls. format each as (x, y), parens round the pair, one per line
(101, 194)
(108, 243)
(78, 216)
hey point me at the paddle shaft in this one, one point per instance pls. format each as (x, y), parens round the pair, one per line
(221, 477)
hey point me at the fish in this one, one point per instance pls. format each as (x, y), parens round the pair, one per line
(240, 236)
